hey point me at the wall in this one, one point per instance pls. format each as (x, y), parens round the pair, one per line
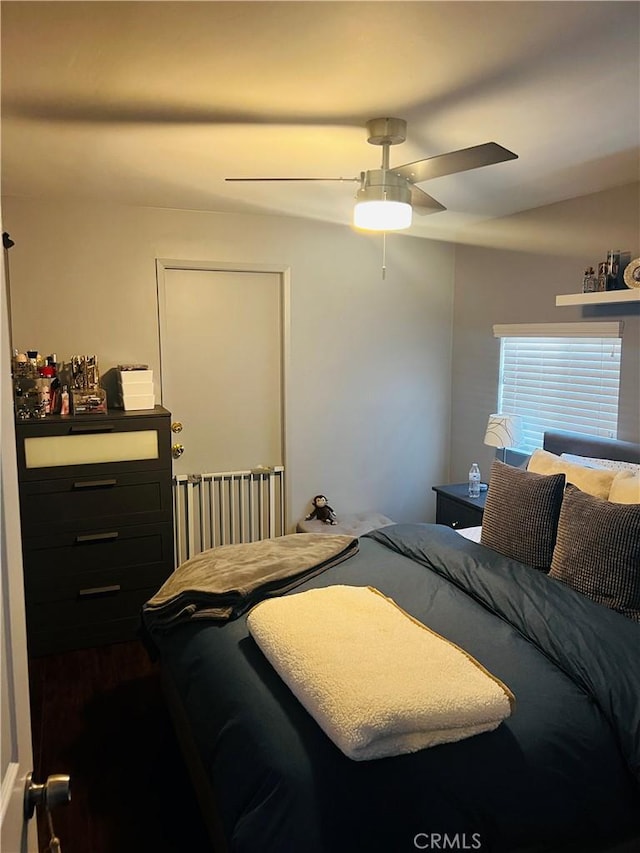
(510, 271)
(370, 374)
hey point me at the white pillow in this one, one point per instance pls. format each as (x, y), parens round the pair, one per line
(593, 481)
(625, 488)
(610, 464)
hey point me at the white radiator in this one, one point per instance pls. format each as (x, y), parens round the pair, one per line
(226, 508)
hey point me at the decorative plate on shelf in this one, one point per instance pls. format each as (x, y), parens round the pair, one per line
(632, 273)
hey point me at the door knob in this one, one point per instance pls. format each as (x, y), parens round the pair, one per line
(177, 450)
(56, 790)
(176, 426)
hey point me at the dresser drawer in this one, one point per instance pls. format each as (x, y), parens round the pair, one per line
(93, 445)
(89, 566)
(81, 623)
(88, 611)
(82, 501)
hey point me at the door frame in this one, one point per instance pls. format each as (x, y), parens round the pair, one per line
(284, 276)
(16, 833)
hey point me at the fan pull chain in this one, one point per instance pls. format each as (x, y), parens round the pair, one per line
(384, 255)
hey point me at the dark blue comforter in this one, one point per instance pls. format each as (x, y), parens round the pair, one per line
(562, 774)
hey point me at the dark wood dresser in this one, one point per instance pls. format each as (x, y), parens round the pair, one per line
(97, 524)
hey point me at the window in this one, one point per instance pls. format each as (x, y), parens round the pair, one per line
(560, 376)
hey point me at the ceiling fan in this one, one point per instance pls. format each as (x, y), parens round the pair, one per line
(387, 196)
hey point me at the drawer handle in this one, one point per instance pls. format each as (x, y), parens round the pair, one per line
(96, 537)
(99, 590)
(90, 428)
(95, 484)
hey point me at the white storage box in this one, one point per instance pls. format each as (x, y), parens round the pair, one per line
(136, 401)
(130, 378)
(137, 389)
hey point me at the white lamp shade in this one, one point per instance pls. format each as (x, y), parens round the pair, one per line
(503, 431)
(382, 215)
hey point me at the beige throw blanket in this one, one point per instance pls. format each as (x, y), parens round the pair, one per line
(377, 681)
(224, 582)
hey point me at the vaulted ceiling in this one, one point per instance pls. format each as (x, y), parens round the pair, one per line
(155, 103)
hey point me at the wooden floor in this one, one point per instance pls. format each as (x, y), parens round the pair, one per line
(98, 715)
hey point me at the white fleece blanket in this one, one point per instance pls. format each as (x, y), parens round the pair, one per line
(377, 681)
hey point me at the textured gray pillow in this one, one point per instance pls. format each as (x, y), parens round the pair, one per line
(521, 514)
(597, 551)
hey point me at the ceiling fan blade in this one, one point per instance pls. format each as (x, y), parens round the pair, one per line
(455, 161)
(89, 110)
(423, 203)
(293, 179)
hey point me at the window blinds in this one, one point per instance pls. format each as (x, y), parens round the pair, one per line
(560, 376)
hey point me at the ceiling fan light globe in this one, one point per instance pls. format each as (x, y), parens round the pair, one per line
(382, 215)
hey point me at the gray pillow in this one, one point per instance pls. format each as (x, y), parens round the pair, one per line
(597, 551)
(521, 514)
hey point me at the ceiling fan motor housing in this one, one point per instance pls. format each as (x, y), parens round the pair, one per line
(383, 185)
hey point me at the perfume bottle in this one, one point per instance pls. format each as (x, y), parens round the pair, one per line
(590, 281)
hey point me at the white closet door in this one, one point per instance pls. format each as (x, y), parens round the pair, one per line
(222, 367)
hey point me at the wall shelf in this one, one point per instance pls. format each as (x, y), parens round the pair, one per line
(600, 298)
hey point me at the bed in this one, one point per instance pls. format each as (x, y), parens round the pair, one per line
(561, 774)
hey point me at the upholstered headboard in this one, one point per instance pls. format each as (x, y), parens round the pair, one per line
(559, 441)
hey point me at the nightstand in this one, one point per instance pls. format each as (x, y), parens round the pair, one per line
(455, 508)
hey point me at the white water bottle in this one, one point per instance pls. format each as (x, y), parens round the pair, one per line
(474, 481)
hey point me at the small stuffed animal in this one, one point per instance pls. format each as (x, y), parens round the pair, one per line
(322, 511)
